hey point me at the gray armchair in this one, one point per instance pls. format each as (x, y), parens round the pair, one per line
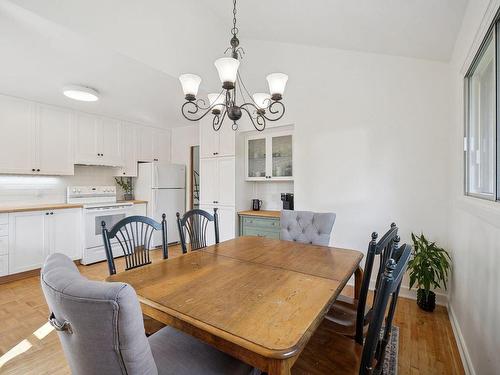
(101, 330)
(307, 227)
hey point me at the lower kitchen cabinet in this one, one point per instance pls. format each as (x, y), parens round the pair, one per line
(35, 234)
(227, 220)
(260, 226)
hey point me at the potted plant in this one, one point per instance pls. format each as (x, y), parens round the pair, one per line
(428, 268)
(126, 185)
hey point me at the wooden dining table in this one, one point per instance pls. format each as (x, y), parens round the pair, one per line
(255, 298)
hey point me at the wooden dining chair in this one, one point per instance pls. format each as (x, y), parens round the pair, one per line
(134, 234)
(328, 352)
(351, 316)
(194, 223)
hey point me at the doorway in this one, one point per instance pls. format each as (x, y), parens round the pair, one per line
(195, 177)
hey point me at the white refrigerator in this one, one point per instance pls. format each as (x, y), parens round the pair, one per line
(164, 187)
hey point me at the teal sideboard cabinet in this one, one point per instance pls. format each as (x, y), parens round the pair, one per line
(260, 223)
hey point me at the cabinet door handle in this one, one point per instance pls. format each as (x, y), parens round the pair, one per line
(123, 172)
(38, 170)
(46, 213)
(155, 159)
(52, 213)
(33, 170)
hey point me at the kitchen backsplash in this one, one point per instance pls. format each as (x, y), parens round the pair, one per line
(270, 193)
(18, 189)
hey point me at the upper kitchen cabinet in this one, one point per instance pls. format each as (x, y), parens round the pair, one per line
(216, 143)
(18, 134)
(161, 145)
(269, 157)
(154, 144)
(36, 139)
(55, 146)
(98, 141)
(129, 147)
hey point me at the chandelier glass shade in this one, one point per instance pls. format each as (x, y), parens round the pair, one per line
(234, 99)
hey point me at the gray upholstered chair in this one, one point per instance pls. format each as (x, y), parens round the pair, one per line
(101, 330)
(306, 226)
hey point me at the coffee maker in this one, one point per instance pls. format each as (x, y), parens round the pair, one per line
(287, 199)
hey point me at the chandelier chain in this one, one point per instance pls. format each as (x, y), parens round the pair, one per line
(234, 30)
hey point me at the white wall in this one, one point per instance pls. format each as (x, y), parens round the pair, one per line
(371, 140)
(474, 225)
(182, 140)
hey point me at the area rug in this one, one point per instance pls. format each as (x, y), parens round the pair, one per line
(391, 352)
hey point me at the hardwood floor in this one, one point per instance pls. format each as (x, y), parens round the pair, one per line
(29, 346)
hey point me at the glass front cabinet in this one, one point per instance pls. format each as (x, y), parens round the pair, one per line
(269, 157)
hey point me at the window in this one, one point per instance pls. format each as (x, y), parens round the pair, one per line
(481, 122)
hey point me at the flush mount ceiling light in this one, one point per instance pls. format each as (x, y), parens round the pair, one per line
(259, 107)
(81, 93)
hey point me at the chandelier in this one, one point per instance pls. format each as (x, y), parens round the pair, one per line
(260, 107)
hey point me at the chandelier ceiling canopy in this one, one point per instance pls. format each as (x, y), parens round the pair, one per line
(234, 99)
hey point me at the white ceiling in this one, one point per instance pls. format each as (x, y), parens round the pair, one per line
(133, 51)
(424, 29)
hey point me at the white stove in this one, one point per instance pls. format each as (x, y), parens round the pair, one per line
(99, 204)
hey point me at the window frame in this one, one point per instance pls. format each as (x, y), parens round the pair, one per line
(493, 33)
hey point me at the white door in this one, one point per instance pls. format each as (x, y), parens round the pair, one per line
(227, 223)
(55, 146)
(28, 240)
(209, 140)
(64, 232)
(209, 181)
(226, 181)
(110, 145)
(227, 138)
(161, 145)
(129, 152)
(145, 137)
(86, 140)
(168, 202)
(168, 176)
(17, 136)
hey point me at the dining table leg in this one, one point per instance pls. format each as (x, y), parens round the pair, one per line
(279, 367)
(358, 279)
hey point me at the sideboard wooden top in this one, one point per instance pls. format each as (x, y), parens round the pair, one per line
(261, 213)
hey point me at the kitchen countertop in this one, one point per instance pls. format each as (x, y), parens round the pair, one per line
(261, 213)
(51, 206)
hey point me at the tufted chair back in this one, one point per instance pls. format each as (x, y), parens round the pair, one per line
(307, 227)
(99, 324)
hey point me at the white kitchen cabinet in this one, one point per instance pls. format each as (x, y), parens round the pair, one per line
(227, 223)
(140, 209)
(35, 234)
(269, 157)
(86, 144)
(17, 136)
(28, 241)
(98, 141)
(4, 265)
(216, 143)
(54, 141)
(145, 147)
(109, 142)
(161, 145)
(217, 176)
(129, 147)
(64, 230)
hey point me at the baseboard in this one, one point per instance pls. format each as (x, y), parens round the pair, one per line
(406, 292)
(459, 338)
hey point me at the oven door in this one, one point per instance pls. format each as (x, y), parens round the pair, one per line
(95, 216)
